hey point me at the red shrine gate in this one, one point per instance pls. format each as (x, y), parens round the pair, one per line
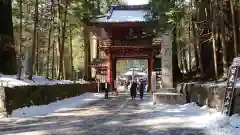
(122, 35)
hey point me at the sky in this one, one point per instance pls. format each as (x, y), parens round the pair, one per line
(136, 2)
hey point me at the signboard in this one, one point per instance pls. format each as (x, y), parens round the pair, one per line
(227, 102)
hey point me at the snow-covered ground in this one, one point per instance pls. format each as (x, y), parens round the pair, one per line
(154, 117)
(124, 110)
(11, 81)
(213, 122)
(74, 102)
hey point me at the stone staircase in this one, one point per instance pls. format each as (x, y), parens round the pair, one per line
(168, 96)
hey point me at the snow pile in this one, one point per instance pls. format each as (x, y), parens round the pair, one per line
(61, 105)
(235, 120)
(11, 81)
(186, 108)
(217, 124)
(214, 123)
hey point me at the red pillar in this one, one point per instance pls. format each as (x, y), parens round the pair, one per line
(109, 71)
(114, 74)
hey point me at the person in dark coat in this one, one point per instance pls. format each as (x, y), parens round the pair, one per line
(133, 91)
(106, 89)
(141, 89)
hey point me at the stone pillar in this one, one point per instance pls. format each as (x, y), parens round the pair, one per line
(167, 73)
(167, 94)
(154, 81)
(114, 71)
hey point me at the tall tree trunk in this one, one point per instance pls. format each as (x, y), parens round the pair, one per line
(194, 38)
(198, 49)
(234, 27)
(213, 27)
(223, 42)
(49, 38)
(37, 54)
(7, 48)
(189, 48)
(53, 57)
(185, 61)
(180, 47)
(20, 40)
(180, 63)
(34, 41)
(197, 43)
(87, 54)
(70, 50)
(63, 38)
(98, 6)
(176, 70)
(99, 12)
(60, 70)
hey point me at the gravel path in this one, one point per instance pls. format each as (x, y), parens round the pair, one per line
(115, 116)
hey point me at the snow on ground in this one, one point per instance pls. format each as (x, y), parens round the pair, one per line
(187, 115)
(213, 122)
(191, 116)
(154, 116)
(11, 81)
(70, 103)
(218, 124)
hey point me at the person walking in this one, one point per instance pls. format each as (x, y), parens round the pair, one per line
(141, 89)
(106, 89)
(133, 91)
(127, 84)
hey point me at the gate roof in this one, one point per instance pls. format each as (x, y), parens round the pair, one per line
(125, 14)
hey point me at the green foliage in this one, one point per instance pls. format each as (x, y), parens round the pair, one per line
(79, 12)
(165, 14)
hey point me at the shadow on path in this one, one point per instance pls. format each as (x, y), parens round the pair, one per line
(114, 116)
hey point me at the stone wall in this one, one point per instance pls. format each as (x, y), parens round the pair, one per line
(210, 95)
(21, 96)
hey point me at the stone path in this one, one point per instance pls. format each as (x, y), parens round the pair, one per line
(115, 116)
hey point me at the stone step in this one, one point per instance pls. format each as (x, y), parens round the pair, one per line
(168, 98)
